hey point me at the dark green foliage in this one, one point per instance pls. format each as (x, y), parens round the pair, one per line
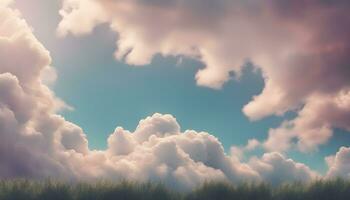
(223, 191)
(50, 190)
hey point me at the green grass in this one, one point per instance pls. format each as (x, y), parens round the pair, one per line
(53, 190)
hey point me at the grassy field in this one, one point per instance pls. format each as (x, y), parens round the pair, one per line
(50, 190)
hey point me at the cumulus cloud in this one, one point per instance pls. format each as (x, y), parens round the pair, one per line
(239, 151)
(339, 164)
(301, 48)
(37, 143)
(275, 168)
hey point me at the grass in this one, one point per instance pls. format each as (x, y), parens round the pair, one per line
(51, 190)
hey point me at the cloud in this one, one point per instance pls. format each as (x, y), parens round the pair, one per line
(5, 2)
(146, 28)
(339, 164)
(314, 123)
(37, 143)
(300, 47)
(275, 168)
(239, 151)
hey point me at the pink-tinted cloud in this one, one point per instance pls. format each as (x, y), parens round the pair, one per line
(339, 164)
(301, 47)
(36, 142)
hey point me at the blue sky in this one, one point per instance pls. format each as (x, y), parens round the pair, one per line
(106, 93)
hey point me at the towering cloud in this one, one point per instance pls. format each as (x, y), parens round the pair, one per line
(301, 48)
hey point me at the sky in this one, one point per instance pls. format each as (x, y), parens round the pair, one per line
(258, 84)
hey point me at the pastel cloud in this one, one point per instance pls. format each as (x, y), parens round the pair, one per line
(38, 143)
(314, 123)
(274, 168)
(5, 2)
(300, 47)
(339, 164)
(239, 151)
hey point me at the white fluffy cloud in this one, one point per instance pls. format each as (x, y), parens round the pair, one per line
(38, 143)
(339, 164)
(301, 47)
(239, 151)
(275, 168)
